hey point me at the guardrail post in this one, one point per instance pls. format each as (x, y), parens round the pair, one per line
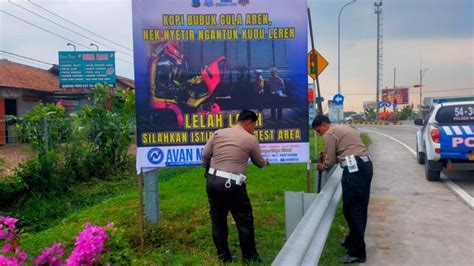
(296, 205)
(305, 244)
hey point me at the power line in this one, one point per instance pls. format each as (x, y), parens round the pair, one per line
(57, 35)
(31, 2)
(29, 58)
(24, 61)
(66, 28)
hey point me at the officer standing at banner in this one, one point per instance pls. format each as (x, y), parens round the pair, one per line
(277, 90)
(344, 146)
(226, 155)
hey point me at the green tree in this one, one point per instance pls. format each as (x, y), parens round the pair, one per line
(106, 124)
(406, 113)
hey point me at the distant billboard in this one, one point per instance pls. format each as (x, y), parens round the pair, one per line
(400, 95)
(85, 69)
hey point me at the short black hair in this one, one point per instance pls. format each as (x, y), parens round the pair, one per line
(319, 119)
(247, 115)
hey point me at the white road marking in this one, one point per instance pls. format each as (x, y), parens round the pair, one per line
(394, 139)
(405, 125)
(461, 193)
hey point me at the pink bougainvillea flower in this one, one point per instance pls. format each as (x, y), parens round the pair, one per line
(89, 245)
(21, 255)
(9, 261)
(50, 256)
(10, 222)
(6, 248)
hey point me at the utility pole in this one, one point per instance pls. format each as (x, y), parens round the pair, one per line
(422, 73)
(378, 11)
(339, 47)
(316, 85)
(421, 87)
(394, 77)
(339, 115)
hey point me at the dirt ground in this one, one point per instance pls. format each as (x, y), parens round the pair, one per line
(13, 155)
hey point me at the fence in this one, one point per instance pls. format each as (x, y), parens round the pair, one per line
(12, 153)
(8, 134)
(306, 243)
(15, 141)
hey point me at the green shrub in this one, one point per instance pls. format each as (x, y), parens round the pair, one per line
(406, 112)
(106, 124)
(94, 142)
(2, 168)
(45, 127)
(80, 161)
(43, 175)
(11, 188)
(42, 211)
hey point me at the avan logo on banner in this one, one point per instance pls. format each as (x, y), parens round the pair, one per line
(208, 3)
(155, 156)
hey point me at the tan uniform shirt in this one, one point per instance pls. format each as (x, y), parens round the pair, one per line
(229, 150)
(341, 141)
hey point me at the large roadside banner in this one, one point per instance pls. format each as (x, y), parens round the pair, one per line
(199, 63)
(400, 95)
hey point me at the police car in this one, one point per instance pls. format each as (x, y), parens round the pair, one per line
(446, 138)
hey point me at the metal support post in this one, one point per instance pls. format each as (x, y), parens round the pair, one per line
(152, 200)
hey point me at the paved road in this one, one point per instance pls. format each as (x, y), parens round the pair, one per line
(406, 133)
(413, 221)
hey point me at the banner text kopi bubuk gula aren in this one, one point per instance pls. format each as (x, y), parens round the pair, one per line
(197, 67)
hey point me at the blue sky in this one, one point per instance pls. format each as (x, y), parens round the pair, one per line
(438, 33)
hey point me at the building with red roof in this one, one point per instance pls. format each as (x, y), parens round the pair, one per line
(22, 87)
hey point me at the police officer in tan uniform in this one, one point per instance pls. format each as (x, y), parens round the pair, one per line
(226, 154)
(344, 146)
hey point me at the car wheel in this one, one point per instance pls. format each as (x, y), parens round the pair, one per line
(431, 175)
(420, 156)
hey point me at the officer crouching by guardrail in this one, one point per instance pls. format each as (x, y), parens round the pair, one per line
(343, 145)
(226, 155)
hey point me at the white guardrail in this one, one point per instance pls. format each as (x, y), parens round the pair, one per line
(306, 243)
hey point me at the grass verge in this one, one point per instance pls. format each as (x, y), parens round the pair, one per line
(183, 236)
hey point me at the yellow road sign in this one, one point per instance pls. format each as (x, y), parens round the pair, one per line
(314, 70)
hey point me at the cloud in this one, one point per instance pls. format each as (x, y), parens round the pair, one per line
(450, 63)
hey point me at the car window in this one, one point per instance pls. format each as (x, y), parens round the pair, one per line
(456, 114)
(427, 117)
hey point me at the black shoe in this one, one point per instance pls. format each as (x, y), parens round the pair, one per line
(348, 259)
